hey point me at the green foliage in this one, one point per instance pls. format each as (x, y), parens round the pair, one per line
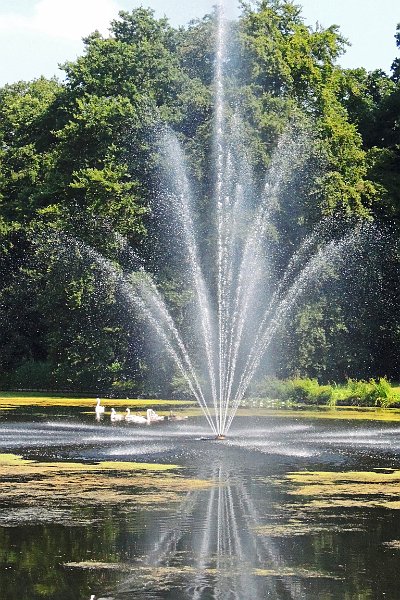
(273, 388)
(369, 393)
(373, 103)
(30, 375)
(396, 63)
(293, 64)
(78, 159)
(308, 391)
(302, 391)
(180, 387)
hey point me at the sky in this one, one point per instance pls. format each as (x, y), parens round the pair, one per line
(37, 35)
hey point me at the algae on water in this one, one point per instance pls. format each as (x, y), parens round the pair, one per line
(332, 489)
(38, 490)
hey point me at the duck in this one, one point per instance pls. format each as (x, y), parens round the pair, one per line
(116, 416)
(134, 418)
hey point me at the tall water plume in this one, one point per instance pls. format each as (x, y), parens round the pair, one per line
(237, 299)
(237, 302)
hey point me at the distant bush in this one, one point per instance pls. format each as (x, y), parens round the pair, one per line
(310, 392)
(124, 387)
(273, 388)
(368, 393)
(30, 375)
(386, 395)
(303, 391)
(180, 388)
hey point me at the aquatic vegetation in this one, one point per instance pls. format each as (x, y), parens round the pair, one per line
(93, 565)
(358, 489)
(297, 527)
(325, 412)
(8, 401)
(32, 466)
(44, 491)
(294, 572)
(160, 573)
(393, 544)
(334, 477)
(353, 503)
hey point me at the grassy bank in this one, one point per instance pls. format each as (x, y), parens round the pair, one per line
(15, 399)
(255, 407)
(341, 413)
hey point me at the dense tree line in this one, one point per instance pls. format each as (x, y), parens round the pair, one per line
(79, 161)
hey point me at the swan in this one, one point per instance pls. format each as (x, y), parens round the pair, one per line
(99, 409)
(175, 417)
(134, 418)
(153, 417)
(116, 416)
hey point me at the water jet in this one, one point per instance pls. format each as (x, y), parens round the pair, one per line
(234, 287)
(239, 295)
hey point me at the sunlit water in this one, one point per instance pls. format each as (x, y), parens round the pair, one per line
(208, 545)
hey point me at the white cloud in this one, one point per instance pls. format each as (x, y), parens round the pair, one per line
(63, 19)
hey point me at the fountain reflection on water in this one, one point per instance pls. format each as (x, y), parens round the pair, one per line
(215, 530)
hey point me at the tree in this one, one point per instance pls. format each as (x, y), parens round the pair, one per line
(79, 166)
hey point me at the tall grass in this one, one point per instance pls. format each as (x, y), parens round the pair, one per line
(309, 392)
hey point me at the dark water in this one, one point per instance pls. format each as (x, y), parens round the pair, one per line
(229, 540)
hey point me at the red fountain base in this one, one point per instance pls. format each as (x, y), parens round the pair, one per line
(220, 437)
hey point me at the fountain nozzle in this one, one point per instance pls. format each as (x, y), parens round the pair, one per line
(220, 437)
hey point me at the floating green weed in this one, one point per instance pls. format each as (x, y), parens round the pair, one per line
(41, 491)
(393, 544)
(296, 528)
(357, 489)
(156, 573)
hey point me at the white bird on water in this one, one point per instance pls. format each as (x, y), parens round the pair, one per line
(99, 410)
(134, 418)
(153, 417)
(116, 416)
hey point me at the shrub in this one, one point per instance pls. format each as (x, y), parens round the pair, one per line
(304, 391)
(122, 387)
(369, 393)
(273, 388)
(308, 391)
(385, 394)
(357, 393)
(30, 375)
(181, 388)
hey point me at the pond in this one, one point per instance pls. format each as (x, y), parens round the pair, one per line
(287, 507)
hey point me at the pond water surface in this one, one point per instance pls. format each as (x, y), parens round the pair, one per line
(285, 508)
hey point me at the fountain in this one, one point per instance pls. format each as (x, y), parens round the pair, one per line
(237, 299)
(226, 551)
(237, 302)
